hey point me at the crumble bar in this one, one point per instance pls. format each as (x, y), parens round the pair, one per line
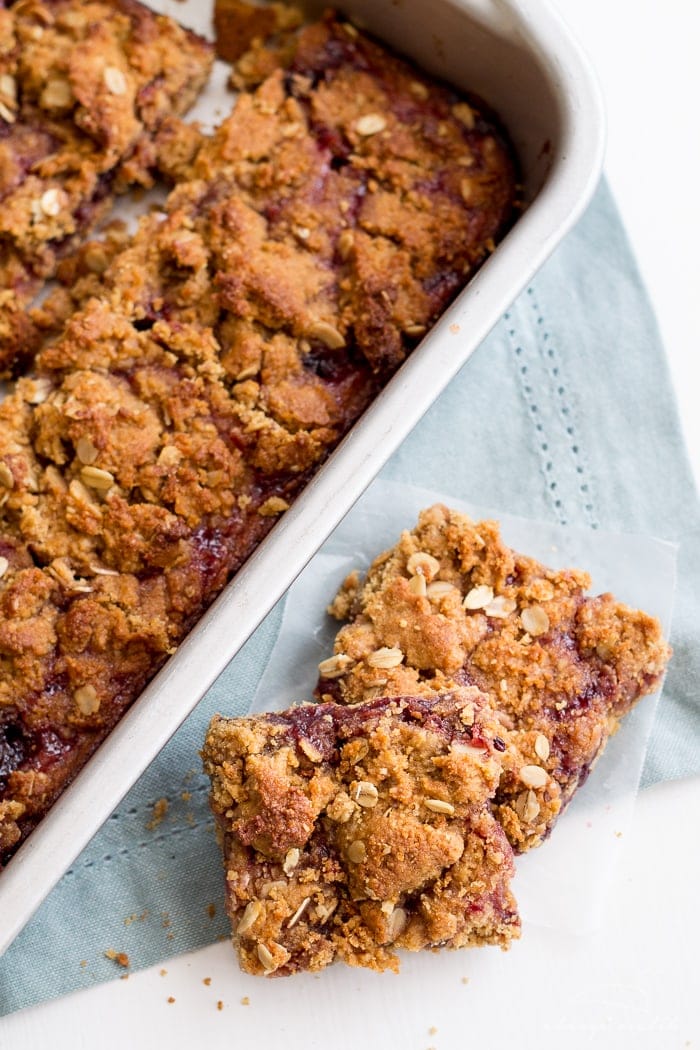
(84, 88)
(350, 832)
(452, 604)
(219, 358)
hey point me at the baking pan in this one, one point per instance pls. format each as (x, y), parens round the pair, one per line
(522, 60)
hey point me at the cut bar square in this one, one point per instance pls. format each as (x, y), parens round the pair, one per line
(351, 832)
(452, 604)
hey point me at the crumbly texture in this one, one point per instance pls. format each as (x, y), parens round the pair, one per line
(216, 361)
(351, 832)
(84, 87)
(340, 208)
(452, 604)
(240, 26)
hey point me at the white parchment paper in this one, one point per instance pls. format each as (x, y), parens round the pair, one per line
(563, 884)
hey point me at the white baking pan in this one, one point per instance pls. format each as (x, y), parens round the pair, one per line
(521, 59)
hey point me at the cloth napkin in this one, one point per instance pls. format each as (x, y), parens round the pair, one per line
(565, 413)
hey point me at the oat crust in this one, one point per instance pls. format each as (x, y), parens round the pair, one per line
(561, 668)
(351, 832)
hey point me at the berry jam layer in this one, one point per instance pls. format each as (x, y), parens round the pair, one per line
(84, 87)
(351, 832)
(451, 604)
(219, 358)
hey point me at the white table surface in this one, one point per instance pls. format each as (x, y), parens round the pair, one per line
(636, 983)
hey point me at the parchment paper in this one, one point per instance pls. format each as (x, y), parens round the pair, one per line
(564, 883)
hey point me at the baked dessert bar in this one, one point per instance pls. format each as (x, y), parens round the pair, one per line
(84, 87)
(350, 832)
(451, 604)
(340, 207)
(219, 359)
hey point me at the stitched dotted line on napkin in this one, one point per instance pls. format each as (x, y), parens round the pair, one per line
(541, 437)
(553, 364)
(148, 843)
(549, 363)
(144, 809)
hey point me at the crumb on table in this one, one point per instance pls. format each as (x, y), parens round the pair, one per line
(160, 809)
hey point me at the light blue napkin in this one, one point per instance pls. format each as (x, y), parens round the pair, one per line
(565, 413)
